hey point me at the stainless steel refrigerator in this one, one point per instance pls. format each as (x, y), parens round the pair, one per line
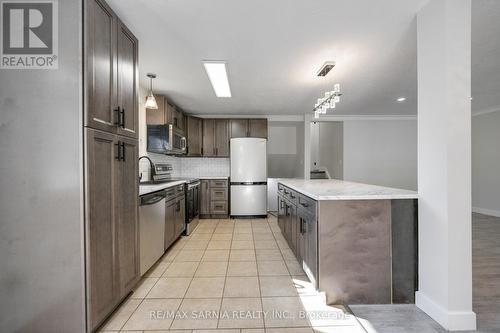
(248, 177)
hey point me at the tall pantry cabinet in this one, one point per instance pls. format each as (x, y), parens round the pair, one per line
(111, 155)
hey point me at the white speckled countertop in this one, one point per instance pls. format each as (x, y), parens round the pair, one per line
(332, 189)
(146, 189)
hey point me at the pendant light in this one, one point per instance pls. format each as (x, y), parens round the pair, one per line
(150, 100)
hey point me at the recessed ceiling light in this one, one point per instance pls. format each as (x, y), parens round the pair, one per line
(326, 68)
(401, 99)
(217, 74)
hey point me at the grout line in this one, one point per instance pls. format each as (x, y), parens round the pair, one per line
(258, 275)
(225, 280)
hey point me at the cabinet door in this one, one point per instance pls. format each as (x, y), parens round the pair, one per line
(127, 81)
(209, 137)
(311, 258)
(294, 228)
(180, 219)
(205, 197)
(102, 279)
(221, 138)
(100, 82)
(170, 210)
(281, 214)
(288, 222)
(157, 116)
(179, 116)
(257, 128)
(194, 136)
(238, 128)
(301, 238)
(127, 195)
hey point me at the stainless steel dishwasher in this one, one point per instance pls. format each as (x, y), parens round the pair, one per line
(152, 228)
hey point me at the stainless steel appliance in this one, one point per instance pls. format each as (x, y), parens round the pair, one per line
(152, 228)
(165, 139)
(192, 205)
(248, 177)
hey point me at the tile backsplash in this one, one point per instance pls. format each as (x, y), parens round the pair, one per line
(204, 167)
(188, 166)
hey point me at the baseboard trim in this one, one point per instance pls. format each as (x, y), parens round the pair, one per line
(485, 211)
(450, 320)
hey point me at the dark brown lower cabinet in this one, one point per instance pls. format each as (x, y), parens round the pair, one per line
(298, 223)
(111, 218)
(214, 198)
(180, 222)
(174, 214)
(170, 212)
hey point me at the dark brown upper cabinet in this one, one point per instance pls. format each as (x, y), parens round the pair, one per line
(167, 113)
(157, 116)
(238, 128)
(111, 85)
(127, 78)
(257, 128)
(253, 128)
(194, 133)
(215, 137)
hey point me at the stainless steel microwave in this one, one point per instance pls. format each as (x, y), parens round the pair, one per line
(166, 139)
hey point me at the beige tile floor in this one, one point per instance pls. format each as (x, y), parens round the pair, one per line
(229, 276)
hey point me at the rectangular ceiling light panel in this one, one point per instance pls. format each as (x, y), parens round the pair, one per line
(217, 74)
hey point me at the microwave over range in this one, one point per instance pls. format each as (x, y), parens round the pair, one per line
(166, 139)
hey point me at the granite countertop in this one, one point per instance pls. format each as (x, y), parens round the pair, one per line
(332, 189)
(150, 188)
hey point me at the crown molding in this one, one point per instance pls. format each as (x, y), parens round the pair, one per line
(296, 118)
(364, 117)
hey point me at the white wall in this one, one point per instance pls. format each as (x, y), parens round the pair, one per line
(381, 152)
(331, 148)
(41, 170)
(486, 163)
(285, 149)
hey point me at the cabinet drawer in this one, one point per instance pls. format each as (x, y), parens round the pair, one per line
(291, 195)
(218, 207)
(306, 203)
(218, 194)
(218, 183)
(171, 193)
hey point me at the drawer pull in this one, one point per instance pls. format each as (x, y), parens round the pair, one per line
(304, 204)
(292, 196)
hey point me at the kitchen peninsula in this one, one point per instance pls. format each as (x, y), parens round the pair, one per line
(356, 242)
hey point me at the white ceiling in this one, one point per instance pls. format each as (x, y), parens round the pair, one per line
(274, 48)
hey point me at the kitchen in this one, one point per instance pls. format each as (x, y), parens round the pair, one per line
(188, 170)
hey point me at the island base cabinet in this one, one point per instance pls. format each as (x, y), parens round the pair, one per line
(355, 251)
(111, 221)
(307, 245)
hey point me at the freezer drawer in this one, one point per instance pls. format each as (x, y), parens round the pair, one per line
(248, 200)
